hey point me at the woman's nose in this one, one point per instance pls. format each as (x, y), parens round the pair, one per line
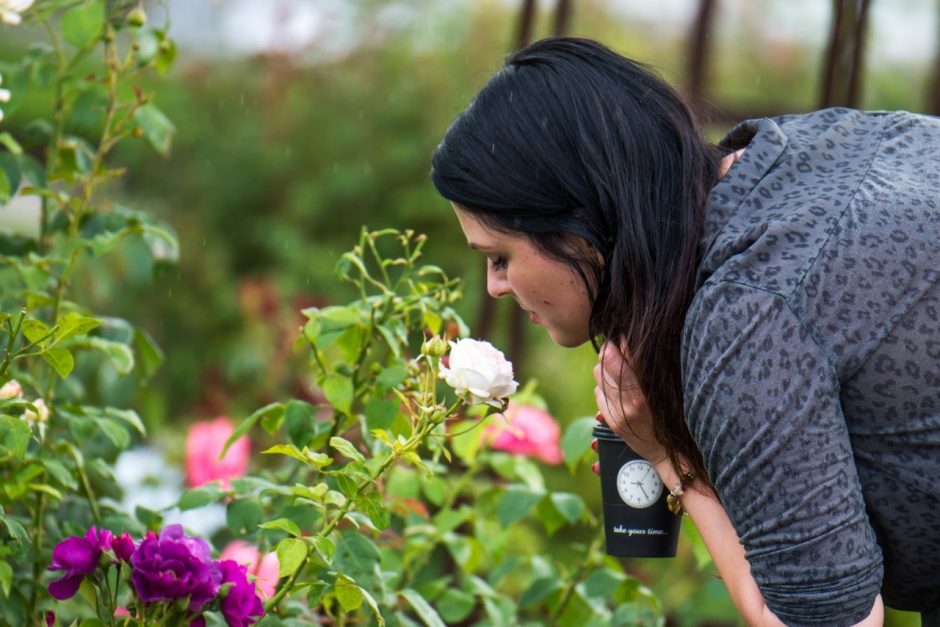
(496, 283)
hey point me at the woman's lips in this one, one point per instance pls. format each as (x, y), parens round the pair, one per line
(533, 317)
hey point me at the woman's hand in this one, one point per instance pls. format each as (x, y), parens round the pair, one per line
(622, 404)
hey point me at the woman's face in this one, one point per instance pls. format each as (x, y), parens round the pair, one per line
(550, 291)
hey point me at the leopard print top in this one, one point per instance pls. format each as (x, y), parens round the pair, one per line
(811, 359)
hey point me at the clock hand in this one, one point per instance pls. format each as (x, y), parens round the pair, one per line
(640, 485)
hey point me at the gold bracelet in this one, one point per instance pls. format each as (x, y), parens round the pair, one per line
(672, 499)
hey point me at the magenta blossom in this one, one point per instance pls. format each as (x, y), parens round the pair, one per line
(175, 566)
(263, 567)
(123, 547)
(240, 603)
(77, 556)
(527, 431)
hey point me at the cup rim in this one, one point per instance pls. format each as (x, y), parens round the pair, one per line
(603, 432)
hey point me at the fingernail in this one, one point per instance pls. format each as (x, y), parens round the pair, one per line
(596, 468)
(594, 444)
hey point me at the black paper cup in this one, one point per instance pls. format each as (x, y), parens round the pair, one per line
(637, 520)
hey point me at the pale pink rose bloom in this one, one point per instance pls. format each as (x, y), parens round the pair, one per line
(526, 431)
(204, 442)
(264, 569)
(11, 389)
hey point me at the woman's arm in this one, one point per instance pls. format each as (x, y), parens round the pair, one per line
(723, 545)
(623, 407)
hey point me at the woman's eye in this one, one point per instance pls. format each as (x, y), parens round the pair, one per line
(499, 263)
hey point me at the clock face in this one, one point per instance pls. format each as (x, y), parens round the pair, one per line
(639, 484)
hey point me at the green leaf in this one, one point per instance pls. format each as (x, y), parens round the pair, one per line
(380, 413)
(348, 593)
(36, 330)
(300, 419)
(430, 617)
(162, 242)
(569, 505)
(380, 622)
(313, 459)
(284, 524)
(157, 128)
(200, 497)
(324, 548)
(6, 577)
(57, 471)
(60, 359)
(113, 431)
(338, 390)
(149, 354)
(539, 589)
(516, 503)
(249, 422)
(82, 25)
(291, 553)
(576, 440)
(391, 377)
(15, 435)
(127, 415)
(455, 605)
(347, 449)
(372, 506)
(119, 353)
(73, 324)
(356, 554)
(243, 515)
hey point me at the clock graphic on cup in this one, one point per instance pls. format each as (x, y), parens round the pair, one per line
(639, 484)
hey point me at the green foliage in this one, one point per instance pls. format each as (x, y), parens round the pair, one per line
(55, 441)
(386, 504)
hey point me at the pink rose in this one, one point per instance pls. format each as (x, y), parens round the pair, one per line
(526, 431)
(263, 568)
(204, 442)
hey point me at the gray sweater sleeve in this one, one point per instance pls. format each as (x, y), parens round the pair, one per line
(762, 402)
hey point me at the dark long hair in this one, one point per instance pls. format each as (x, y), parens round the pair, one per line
(570, 138)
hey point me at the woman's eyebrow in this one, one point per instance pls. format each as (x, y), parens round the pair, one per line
(479, 247)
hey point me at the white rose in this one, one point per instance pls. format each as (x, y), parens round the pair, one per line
(479, 373)
(11, 389)
(41, 408)
(10, 10)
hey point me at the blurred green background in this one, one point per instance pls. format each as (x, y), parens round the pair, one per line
(299, 121)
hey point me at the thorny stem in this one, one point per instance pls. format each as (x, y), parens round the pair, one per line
(11, 341)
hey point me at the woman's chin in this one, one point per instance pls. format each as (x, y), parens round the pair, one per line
(567, 340)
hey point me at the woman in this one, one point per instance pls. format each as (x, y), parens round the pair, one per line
(768, 310)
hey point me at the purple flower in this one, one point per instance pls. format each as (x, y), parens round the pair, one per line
(241, 602)
(123, 546)
(77, 556)
(174, 566)
(50, 618)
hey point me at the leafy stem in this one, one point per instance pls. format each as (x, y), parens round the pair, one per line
(589, 558)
